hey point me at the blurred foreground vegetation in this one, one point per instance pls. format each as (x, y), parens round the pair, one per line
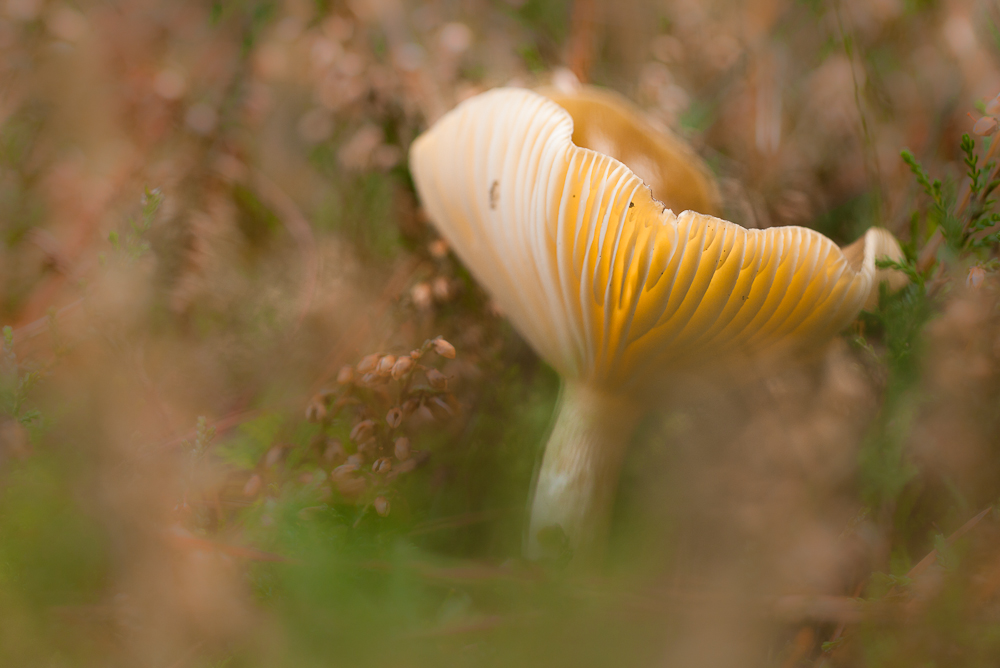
(209, 226)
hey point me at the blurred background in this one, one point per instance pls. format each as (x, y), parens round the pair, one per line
(209, 229)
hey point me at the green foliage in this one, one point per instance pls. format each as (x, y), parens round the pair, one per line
(132, 244)
(15, 383)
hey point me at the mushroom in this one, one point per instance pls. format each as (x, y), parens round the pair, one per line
(611, 287)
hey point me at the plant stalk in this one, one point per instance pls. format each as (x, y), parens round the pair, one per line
(575, 490)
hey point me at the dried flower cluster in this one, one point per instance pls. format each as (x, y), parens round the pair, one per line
(383, 398)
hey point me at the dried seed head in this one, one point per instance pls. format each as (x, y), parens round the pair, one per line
(394, 417)
(402, 448)
(253, 485)
(363, 431)
(993, 106)
(976, 277)
(421, 296)
(382, 465)
(402, 365)
(345, 375)
(443, 348)
(357, 459)
(385, 365)
(368, 363)
(442, 289)
(985, 126)
(316, 410)
(437, 380)
(381, 505)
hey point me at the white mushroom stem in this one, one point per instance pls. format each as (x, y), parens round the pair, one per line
(576, 484)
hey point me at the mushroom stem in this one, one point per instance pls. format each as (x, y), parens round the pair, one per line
(575, 489)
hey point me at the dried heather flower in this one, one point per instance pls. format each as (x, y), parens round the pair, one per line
(363, 431)
(382, 465)
(345, 375)
(438, 249)
(976, 277)
(316, 410)
(394, 417)
(381, 505)
(442, 289)
(439, 408)
(402, 365)
(437, 380)
(344, 470)
(368, 363)
(993, 106)
(985, 126)
(443, 348)
(421, 296)
(334, 450)
(253, 485)
(385, 365)
(402, 448)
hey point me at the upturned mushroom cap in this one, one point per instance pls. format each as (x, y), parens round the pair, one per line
(609, 123)
(611, 287)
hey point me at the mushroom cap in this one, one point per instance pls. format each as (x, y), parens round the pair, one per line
(609, 123)
(608, 285)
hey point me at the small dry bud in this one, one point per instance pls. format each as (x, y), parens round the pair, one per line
(443, 348)
(402, 448)
(381, 505)
(442, 289)
(993, 106)
(345, 375)
(985, 126)
(382, 465)
(437, 380)
(402, 365)
(422, 296)
(369, 379)
(253, 485)
(385, 365)
(438, 248)
(394, 417)
(406, 466)
(356, 459)
(362, 431)
(976, 277)
(316, 410)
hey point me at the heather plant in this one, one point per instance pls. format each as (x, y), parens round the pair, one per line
(231, 435)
